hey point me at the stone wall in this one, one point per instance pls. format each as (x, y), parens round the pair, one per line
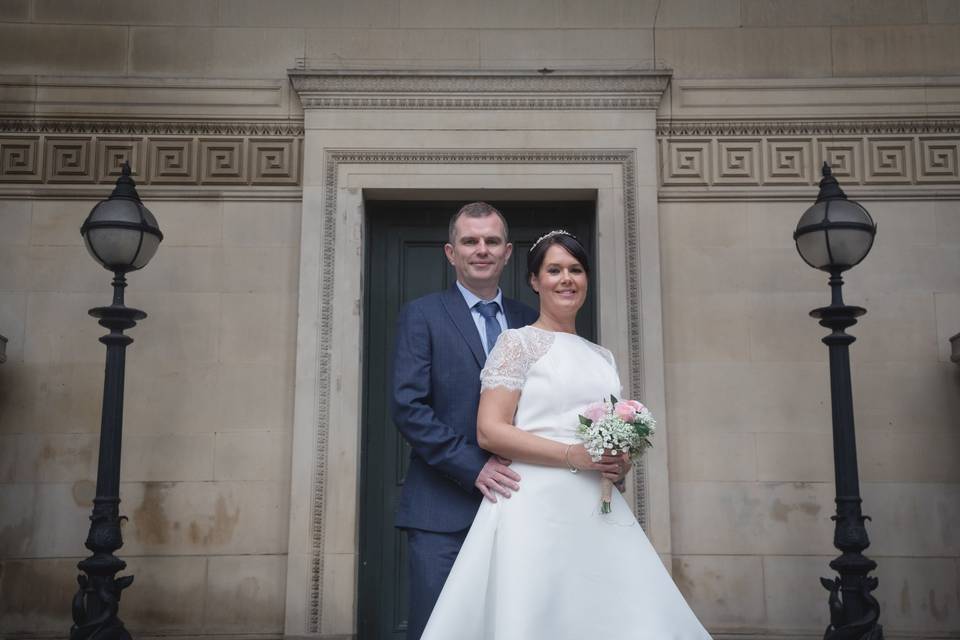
(748, 397)
(206, 447)
(210, 375)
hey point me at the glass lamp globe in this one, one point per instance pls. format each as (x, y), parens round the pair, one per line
(120, 233)
(835, 233)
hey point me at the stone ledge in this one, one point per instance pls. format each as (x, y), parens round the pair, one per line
(547, 89)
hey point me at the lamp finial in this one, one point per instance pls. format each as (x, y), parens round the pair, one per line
(829, 187)
(126, 187)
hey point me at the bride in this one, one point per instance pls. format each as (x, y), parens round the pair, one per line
(546, 564)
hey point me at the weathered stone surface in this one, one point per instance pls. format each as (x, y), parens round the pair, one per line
(698, 13)
(896, 50)
(214, 52)
(60, 49)
(748, 518)
(184, 12)
(724, 591)
(606, 13)
(782, 13)
(370, 14)
(745, 53)
(153, 604)
(15, 11)
(245, 594)
(390, 48)
(518, 48)
(35, 595)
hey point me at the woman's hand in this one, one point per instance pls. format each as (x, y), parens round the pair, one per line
(612, 467)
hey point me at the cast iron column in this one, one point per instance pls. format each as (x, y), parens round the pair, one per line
(853, 610)
(97, 602)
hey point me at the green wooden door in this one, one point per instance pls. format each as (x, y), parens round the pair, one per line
(405, 260)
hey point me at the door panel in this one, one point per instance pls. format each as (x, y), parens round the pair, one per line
(404, 261)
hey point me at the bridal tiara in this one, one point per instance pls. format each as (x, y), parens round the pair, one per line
(550, 234)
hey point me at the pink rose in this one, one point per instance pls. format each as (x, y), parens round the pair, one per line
(627, 410)
(595, 411)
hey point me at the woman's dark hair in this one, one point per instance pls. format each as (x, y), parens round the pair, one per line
(569, 242)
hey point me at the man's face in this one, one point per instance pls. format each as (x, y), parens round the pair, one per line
(479, 252)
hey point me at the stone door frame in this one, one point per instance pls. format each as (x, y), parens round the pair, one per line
(416, 134)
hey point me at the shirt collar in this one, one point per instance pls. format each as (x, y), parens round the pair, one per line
(472, 299)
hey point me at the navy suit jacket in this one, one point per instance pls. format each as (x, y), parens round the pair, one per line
(435, 394)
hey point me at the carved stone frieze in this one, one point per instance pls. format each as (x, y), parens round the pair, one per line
(479, 90)
(220, 154)
(764, 154)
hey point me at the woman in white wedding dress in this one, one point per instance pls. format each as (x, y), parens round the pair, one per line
(546, 564)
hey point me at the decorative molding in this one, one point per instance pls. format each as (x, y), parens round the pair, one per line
(807, 127)
(480, 90)
(333, 160)
(199, 153)
(771, 156)
(467, 103)
(141, 128)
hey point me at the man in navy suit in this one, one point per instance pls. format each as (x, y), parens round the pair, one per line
(442, 343)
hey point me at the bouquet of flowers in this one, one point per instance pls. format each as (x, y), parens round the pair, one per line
(622, 426)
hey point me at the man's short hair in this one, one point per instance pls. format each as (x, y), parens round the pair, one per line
(476, 210)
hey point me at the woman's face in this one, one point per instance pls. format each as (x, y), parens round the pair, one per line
(561, 282)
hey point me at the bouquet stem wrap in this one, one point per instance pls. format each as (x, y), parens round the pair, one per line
(606, 494)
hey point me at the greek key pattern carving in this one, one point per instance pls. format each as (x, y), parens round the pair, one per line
(759, 154)
(20, 159)
(194, 160)
(626, 159)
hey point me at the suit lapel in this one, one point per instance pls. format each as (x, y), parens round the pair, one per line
(456, 308)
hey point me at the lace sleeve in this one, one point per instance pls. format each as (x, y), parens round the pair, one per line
(507, 364)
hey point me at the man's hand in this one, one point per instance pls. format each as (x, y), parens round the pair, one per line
(496, 477)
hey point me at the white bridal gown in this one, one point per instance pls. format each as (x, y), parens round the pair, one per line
(546, 564)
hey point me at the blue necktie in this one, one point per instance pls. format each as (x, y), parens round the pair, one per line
(489, 312)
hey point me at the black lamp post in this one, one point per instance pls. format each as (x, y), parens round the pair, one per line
(122, 235)
(834, 235)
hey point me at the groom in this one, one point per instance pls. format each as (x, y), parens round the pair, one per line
(442, 344)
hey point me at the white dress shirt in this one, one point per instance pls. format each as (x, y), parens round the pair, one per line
(478, 320)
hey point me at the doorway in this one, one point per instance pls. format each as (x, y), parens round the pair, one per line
(404, 260)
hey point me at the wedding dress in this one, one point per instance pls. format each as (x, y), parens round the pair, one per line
(545, 564)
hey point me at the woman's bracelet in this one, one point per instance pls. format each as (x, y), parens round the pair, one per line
(566, 458)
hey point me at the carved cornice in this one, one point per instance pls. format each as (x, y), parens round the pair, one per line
(860, 127)
(129, 127)
(480, 90)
